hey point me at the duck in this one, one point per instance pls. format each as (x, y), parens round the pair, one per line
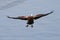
(30, 19)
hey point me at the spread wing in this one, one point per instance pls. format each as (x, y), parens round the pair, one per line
(20, 17)
(42, 15)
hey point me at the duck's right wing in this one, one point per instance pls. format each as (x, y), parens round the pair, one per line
(20, 17)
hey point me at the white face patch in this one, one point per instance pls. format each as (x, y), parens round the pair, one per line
(31, 15)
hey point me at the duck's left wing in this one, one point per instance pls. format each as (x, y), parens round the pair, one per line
(41, 15)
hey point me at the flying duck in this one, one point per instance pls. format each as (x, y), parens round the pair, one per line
(30, 19)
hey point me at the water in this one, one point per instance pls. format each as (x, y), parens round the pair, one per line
(46, 28)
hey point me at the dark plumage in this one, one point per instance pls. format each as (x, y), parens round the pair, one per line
(30, 19)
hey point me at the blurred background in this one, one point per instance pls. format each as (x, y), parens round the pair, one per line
(46, 28)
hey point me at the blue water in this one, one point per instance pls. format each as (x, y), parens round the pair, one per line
(46, 28)
(40, 32)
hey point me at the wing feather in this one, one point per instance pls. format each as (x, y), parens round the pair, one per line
(20, 17)
(23, 17)
(42, 15)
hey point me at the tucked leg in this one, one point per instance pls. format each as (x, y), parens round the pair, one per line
(27, 25)
(32, 25)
